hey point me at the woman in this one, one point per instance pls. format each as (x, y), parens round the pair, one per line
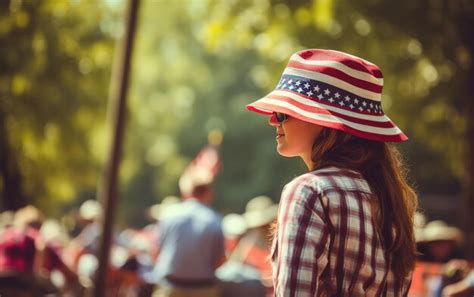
(345, 228)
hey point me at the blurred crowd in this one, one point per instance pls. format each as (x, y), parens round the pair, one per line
(187, 249)
(41, 256)
(441, 269)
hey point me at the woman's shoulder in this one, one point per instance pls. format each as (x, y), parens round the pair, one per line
(332, 179)
(333, 171)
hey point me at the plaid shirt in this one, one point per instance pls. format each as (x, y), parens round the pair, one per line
(18, 251)
(326, 243)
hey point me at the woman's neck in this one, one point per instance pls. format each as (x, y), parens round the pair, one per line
(308, 161)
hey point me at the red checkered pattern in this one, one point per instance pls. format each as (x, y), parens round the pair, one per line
(18, 251)
(326, 243)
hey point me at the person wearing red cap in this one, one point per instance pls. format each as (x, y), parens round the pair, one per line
(345, 228)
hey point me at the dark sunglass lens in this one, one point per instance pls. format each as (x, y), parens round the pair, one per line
(280, 117)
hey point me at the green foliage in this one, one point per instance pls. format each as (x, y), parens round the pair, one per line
(220, 55)
(426, 63)
(55, 69)
(196, 65)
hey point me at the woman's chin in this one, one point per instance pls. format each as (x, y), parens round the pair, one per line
(282, 151)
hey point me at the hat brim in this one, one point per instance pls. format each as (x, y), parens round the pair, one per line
(256, 219)
(373, 127)
(443, 233)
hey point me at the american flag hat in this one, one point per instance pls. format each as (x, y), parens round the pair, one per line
(335, 90)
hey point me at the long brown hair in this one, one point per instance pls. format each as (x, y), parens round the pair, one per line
(381, 165)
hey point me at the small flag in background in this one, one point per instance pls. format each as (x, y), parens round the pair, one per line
(208, 159)
(203, 168)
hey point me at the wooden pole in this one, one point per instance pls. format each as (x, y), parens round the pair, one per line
(469, 203)
(466, 23)
(108, 188)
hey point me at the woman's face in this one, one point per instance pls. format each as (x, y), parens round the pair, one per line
(295, 138)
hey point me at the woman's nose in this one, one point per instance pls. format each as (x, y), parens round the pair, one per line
(272, 121)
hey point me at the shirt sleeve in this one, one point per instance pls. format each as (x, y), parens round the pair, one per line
(303, 242)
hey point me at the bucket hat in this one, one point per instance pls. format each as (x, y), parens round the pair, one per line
(335, 90)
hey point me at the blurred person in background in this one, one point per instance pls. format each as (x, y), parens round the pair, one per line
(25, 250)
(53, 231)
(260, 214)
(236, 277)
(437, 243)
(191, 242)
(6, 219)
(458, 279)
(440, 243)
(233, 227)
(142, 248)
(248, 260)
(151, 231)
(90, 212)
(82, 249)
(420, 280)
(345, 228)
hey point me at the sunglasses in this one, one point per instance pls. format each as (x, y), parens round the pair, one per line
(280, 117)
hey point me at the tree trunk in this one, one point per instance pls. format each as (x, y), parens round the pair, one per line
(467, 23)
(468, 205)
(11, 195)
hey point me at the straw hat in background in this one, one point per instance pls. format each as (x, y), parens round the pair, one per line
(439, 231)
(233, 225)
(260, 211)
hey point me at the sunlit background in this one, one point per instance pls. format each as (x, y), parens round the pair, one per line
(196, 64)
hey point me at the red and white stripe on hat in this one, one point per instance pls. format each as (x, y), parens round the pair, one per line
(335, 90)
